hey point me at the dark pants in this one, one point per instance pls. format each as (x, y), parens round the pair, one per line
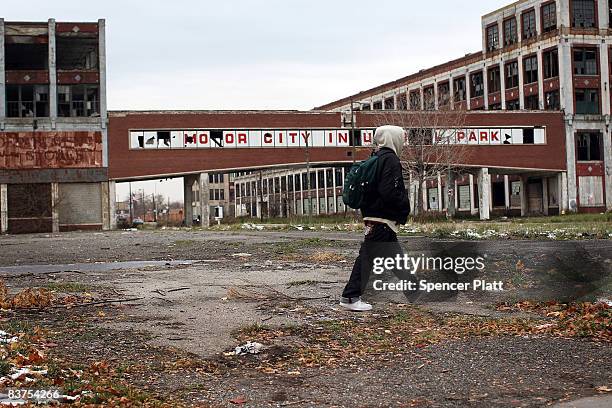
(380, 241)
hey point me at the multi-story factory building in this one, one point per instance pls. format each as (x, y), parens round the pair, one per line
(536, 55)
(53, 127)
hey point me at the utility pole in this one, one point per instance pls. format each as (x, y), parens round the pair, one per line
(260, 196)
(131, 205)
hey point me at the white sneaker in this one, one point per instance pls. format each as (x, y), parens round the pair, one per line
(355, 306)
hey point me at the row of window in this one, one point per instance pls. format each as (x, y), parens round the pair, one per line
(528, 27)
(291, 183)
(216, 178)
(585, 62)
(72, 54)
(217, 194)
(582, 14)
(32, 101)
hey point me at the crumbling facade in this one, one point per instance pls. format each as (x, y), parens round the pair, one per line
(53, 127)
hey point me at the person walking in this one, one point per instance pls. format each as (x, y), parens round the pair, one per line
(385, 207)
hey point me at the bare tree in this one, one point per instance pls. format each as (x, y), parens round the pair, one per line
(432, 148)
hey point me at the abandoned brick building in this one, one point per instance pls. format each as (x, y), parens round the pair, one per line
(536, 99)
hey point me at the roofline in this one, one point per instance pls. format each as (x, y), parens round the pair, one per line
(211, 112)
(398, 82)
(509, 6)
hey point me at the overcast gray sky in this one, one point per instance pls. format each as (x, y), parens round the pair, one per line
(272, 54)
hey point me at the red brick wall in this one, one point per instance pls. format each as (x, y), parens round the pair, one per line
(50, 150)
(126, 163)
(547, 156)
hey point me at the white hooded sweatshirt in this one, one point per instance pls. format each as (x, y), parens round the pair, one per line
(391, 137)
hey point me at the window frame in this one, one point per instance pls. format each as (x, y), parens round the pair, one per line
(548, 28)
(594, 91)
(589, 144)
(584, 51)
(510, 35)
(492, 40)
(494, 81)
(528, 21)
(513, 63)
(530, 76)
(547, 67)
(573, 14)
(476, 90)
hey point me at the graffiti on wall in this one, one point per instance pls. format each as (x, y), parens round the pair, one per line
(50, 150)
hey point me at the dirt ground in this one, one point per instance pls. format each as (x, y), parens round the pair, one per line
(154, 315)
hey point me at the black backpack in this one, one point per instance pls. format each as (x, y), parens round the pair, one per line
(358, 181)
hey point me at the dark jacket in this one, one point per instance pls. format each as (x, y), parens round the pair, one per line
(388, 197)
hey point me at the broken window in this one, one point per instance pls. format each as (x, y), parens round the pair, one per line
(549, 17)
(585, 61)
(529, 24)
(494, 80)
(390, 103)
(510, 33)
(589, 146)
(429, 102)
(78, 100)
(587, 101)
(552, 100)
(459, 89)
(551, 63)
(530, 65)
(444, 94)
(583, 13)
(512, 75)
(27, 101)
(415, 100)
(26, 57)
(532, 102)
(476, 85)
(492, 37)
(77, 54)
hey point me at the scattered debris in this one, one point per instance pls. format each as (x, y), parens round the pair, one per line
(248, 348)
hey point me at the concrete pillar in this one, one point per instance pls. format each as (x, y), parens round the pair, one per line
(566, 79)
(502, 81)
(562, 180)
(605, 78)
(608, 167)
(484, 194)
(440, 199)
(102, 71)
(473, 210)
(545, 195)
(521, 82)
(204, 199)
(188, 199)
(424, 197)
(316, 173)
(603, 14)
(105, 204)
(112, 201)
(507, 192)
(2, 79)
(540, 68)
(524, 197)
(325, 191)
(468, 91)
(55, 200)
(3, 208)
(52, 74)
(570, 152)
